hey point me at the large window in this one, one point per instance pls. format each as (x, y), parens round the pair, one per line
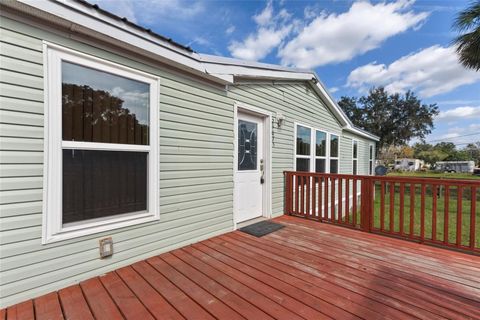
(102, 163)
(315, 150)
(355, 157)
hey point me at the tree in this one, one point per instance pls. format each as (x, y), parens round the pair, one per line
(468, 42)
(395, 118)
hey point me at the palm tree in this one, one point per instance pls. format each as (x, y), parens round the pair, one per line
(468, 42)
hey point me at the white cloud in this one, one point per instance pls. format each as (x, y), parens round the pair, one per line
(147, 11)
(459, 113)
(335, 38)
(333, 89)
(230, 30)
(271, 30)
(431, 71)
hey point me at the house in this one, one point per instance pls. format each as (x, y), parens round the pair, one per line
(112, 134)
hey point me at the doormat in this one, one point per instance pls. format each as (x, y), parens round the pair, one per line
(262, 228)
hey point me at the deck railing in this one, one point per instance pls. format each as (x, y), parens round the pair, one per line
(442, 212)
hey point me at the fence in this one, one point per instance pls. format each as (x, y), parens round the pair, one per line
(443, 212)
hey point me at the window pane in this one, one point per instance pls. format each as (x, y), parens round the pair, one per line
(355, 149)
(320, 165)
(102, 107)
(303, 141)
(333, 146)
(354, 166)
(321, 144)
(99, 184)
(303, 164)
(371, 153)
(370, 167)
(247, 145)
(333, 166)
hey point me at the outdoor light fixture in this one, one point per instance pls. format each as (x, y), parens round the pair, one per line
(106, 247)
(280, 120)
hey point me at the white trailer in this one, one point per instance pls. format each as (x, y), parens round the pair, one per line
(455, 166)
(406, 164)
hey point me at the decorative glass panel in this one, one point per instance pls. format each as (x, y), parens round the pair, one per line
(355, 149)
(333, 166)
(333, 146)
(321, 144)
(98, 184)
(102, 107)
(354, 166)
(320, 165)
(370, 167)
(371, 153)
(303, 164)
(303, 141)
(247, 145)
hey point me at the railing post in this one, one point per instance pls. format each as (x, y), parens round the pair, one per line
(367, 204)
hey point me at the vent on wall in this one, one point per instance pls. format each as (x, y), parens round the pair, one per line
(106, 247)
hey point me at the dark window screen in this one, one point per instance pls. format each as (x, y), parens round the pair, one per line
(320, 165)
(247, 145)
(333, 166)
(102, 107)
(98, 184)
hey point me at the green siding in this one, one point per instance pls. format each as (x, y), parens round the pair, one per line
(196, 164)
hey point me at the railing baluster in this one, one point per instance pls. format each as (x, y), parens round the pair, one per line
(434, 212)
(382, 206)
(412, 209)
(347, 200)
(354, 198)
(302, 195)
(392, 202)
(307, 197)
(314, 195)
(473, 213)
(340, 200)
(445, 221)
(325, 210)
(320, 207)
(332, 204)
(402, 204)
(297, 196)
(459, 215)
(422, 213)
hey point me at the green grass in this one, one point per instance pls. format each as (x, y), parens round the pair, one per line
(431, 174)
(440, 213)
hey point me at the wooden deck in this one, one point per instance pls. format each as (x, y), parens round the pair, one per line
(308, 270)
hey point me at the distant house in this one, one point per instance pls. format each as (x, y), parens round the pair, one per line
(109, 130)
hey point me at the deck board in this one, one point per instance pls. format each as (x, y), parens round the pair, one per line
(307, 270)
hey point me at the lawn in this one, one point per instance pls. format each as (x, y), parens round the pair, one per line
(431, 174)
(440, 212)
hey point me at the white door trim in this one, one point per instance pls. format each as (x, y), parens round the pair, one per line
(267, 152)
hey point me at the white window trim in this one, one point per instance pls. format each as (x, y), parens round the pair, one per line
(52, 228)
(315, 150)
(371, 161)
(353, 156)
(312, 157)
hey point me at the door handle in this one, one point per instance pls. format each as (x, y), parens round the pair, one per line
(262, 172)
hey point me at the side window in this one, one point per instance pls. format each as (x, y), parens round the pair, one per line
(371, 155)
(334, 146)
(303, 149)
(355, 157)
(320, 152)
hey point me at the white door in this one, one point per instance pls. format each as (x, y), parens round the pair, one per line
(249, 176)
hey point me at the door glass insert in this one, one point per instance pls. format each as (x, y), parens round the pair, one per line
(247, 145)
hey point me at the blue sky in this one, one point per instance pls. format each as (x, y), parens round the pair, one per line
(352, 45)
